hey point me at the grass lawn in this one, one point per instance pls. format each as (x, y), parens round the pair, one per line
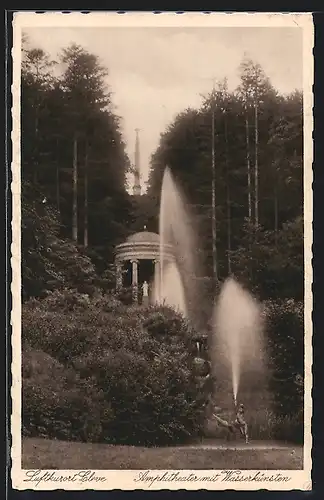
(50, 454)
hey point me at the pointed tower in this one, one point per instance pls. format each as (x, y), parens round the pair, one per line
(137, 184)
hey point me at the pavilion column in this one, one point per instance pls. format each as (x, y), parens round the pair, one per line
(119, 275)
(157, 279)
(135, 279)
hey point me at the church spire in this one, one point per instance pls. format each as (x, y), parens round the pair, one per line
(137, 184)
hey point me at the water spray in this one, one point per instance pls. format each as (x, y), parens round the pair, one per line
(238, 334)
(177, 245)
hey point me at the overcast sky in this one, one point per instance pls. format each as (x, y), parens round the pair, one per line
(156, 72)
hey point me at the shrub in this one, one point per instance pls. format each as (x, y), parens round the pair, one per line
(57, 334)
(57, 404)
(125, 295)
(48, 261)
(153, 401)
(146, 379)
(163, 323)
(289, 427)
(285, 335)
(108, 302)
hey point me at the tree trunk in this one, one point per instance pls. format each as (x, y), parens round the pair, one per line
(248, 164)
(275, 199)
(57, 178)
(256, 168)
(85, 233)
(35, 169)
(249, 181)
(228, 202)
(75, 191)
(58, 187)
(36, 148)
(214, 222)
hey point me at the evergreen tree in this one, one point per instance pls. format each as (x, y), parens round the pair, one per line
(74, 156)
(258, 183)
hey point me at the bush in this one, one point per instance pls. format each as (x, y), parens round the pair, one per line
(129, 361)
(290, 427)
(64, 300)
(153, 401)
(48, 261)
(166, 323)
(125, 295)
(57, 404)
(285, 335)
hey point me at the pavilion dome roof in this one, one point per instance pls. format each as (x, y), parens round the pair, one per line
(143, 237)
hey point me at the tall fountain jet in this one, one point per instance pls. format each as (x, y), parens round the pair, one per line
(238, 333)
(176, 284)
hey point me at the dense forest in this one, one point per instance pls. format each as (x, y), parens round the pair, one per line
(257, 181)
(75, 205)
(241, 148)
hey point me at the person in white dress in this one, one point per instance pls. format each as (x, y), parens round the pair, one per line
(145, 290)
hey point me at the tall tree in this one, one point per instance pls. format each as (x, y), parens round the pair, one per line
(248, 164)
(256, 162)
(186, 148)
(75, 190)
(37, 82)
(213, 200)
(86, 215)
(85, 96)
(285, 153)
(76, 102)
(223, 89)
(256, 91)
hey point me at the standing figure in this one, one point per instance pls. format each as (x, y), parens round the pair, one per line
(240, 422)
(145, 288)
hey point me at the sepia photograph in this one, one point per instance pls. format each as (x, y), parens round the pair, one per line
(161, 253)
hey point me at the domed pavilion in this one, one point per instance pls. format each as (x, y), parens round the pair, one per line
(137, 260)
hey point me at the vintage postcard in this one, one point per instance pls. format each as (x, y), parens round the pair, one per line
(161, 251)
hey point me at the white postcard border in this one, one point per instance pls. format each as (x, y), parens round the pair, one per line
(130, 479)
